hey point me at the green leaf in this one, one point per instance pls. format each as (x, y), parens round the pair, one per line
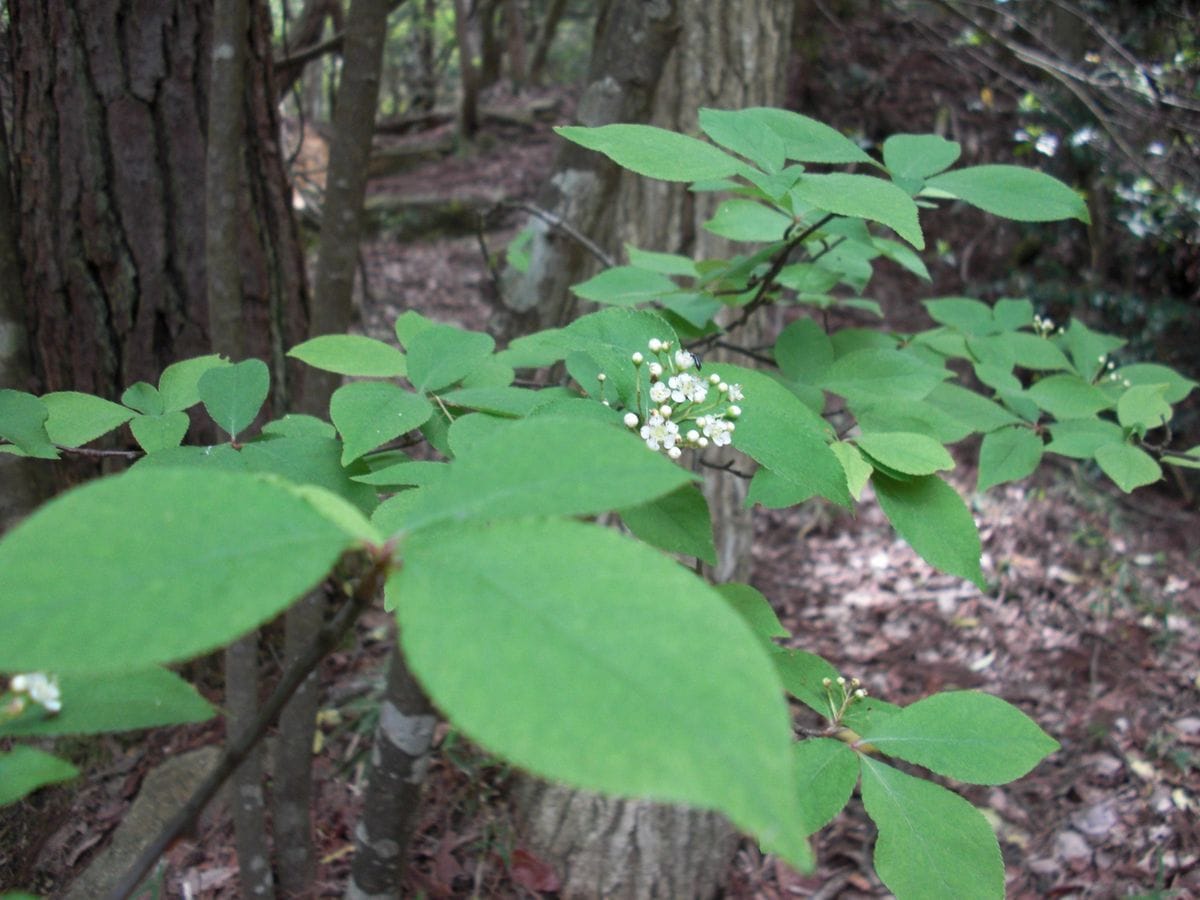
(930, 515)
(1177, 390)
(440, 355)
(543, 466)
(858, 470)
(976, 412)
(807, 140)
(370, 413)
(145, 398)
(1025, 195)
(1129, 467)
(351, 354)
(678, 522)
(743, 133)
(310, 459)
(164, 563)
(826, 772)
(875, 374)
(754, 608)
(94, 703)
(23, 770)
(1031, 351)
(663, 263)
(915, 156)
(804, 352)
(77, 418)
(777, 430)
(154, 433)
(1008, 454)
(1013, 313)
(624, 286)
(967, 735)
(409, 324)
(179, 383)
(1081, 438)
(863, 197)
(616, 670)
(1068, 397)
(802, 674)
(912, 454)
(968, 316)
(23, 421)
(498, 401)
(1090, 349)
(1144, 407)
(932, 844)
(234, 394)
(747, 220)
(655, 152)
(299, 425)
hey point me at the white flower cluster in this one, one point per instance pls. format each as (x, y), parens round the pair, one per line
(1045, 326)
(683, 407)
(42, 689)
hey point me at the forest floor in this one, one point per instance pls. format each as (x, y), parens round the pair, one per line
(1091, 625)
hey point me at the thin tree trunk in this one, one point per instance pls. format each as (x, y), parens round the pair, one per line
(332, 313)
(514, 27)
(425, 89)
(490, 48)
(468, 110)
(223, 183)
(545, 37)
(403, 741)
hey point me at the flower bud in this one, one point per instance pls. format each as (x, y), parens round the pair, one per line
(631, 420)
(655, 345)
(638, 359)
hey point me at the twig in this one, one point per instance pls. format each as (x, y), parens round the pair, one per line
(93, 451)
(726, 467)
(556, 221)
(745, 351)
(236, 750)
(481, 238)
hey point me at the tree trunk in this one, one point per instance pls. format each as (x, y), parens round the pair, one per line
(730, 54)
(514, 27)
(468, 110)
(24, 482)
(545, 37)
(110, 110)
(402, 745)
(490, 48)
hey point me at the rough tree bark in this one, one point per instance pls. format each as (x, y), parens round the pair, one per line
(110, 103)
(24, 482)
(111, 108)
(729, 54)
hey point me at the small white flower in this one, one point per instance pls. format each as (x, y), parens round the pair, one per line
(41, 688)
(658, 432)
(735, 393)
(659, 392)
(718, 431)
(674, 453)
(655, 345)
(656, 369)
(665, 411)
(638, 359)
(685, 387)
(631, 420)
(684, 360)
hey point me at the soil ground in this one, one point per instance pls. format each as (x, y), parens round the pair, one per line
(1091, 625)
